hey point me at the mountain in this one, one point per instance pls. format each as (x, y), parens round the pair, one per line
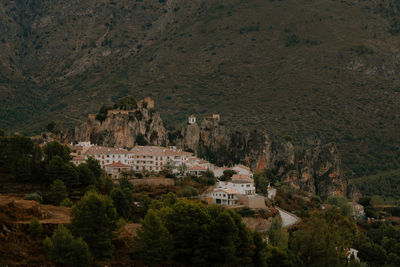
(292, 67)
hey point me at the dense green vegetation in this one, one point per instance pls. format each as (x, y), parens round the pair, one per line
(299, 68)
(379, 245)
(179, 231)
(384, 184)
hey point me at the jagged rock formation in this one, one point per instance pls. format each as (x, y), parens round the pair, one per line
(124, 128)
(314, 168)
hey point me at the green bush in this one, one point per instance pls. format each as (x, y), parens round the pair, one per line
(66, 203)
(34, 196)
(246, 212)
(64, 250)
(187, 191)
(35, 228)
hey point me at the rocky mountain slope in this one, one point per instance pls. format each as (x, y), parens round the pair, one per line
(123, 128)
(305, 68)
(314, 168)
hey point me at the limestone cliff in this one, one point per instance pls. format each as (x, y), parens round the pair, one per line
(124, 128)
(314, 167)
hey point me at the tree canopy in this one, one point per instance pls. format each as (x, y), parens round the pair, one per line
(94, 219)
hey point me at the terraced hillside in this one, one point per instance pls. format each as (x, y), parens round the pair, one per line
(299, 67)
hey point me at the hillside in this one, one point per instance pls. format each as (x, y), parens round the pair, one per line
(304, 68)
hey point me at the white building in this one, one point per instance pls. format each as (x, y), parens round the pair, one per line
(242, 170)
(192, 119)
(196, 170)
(107, 155)
(219, 171)
(154, 158)
(224, 196)
(228, 192)
(271, 192)
(140, 158)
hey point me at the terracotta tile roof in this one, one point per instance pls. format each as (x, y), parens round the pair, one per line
(196, 168)
(148, 150)
(170, 152)
(117, 165)
(105, 150)
(157, 151)
(73, 147)
(240, 178)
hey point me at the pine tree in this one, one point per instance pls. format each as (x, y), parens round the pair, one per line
(94, 219)
(35, 228)
(63, 249)
(153, 243)
(121, 203)
(278, 236)
(58, 192)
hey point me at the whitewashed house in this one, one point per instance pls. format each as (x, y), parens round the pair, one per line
(271, 192)
(242, 170)
(192, 119)
(107, 155)
(196, 170)
(239, 191)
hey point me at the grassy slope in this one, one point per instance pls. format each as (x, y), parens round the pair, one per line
(304, 68)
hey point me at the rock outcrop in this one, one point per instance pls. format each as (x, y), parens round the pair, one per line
(314, 167)
(124, 128)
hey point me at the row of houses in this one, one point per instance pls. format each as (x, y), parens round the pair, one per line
(239, 191)
(148, 159)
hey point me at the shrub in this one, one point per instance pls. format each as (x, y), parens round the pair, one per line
(35, 228)
(66, 203)
(187, 191)
(246, 212)
(34, 196)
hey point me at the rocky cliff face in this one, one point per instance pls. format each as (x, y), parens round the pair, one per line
(314, 168)
(124, 128)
